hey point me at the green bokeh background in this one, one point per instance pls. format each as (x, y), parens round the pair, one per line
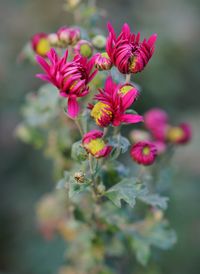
(171, 81)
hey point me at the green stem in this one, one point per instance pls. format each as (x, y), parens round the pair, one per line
(128, 78)
(78, 126)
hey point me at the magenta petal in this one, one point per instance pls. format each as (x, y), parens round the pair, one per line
(73, 107)
(131, 118)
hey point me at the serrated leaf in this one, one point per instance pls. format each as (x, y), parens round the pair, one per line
(120, 145)
(127, 190)
(78, 153)
(155, 200)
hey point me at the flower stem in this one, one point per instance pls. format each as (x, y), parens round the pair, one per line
(128, 78)
(78, 126)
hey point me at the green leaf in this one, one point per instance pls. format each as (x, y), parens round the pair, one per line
(127, 190)
(155, 200)
(78, 152)
(120, 145)
(142, 250)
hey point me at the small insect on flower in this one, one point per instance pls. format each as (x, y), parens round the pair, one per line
(95, 145)
(179, 134)
(127, 52)
(70, 77)
(69, 36)
(144, 152)
(40, 43)
(84, 48)
(112, 103)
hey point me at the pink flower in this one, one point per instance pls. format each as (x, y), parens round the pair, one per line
(70, 77)
(112, 104)
(95, 145)
(84, 48)
(179, 134)
(69, 35)
(156, 121)
(40, 43)
(102, 61)
(144, 152)
(127, 52)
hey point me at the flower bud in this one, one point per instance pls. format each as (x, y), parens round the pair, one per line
(79, 177)
(53, 39)
(138, 135)
(69, 36)
(40, 44)
(84, 48)
(95, 145)
(102, 61)
(99, 41)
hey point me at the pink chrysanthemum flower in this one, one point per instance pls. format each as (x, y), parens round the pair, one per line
(95, 145)
(84, 48)
(156, 121)
(40, 43)
(179, 134)
(69, 35)
(70, 77)
(144, 152)
(112, 104)
(127, 52)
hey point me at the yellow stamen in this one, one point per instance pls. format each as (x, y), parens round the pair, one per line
(174, 134)
(98, 111)
(94, 146)
(146, 151)
(43, 46)
(132, 63)
(125, 89)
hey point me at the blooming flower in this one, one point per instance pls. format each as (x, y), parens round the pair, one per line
(70, 77)
(40, 43)
(69, 36)
(102, 61)
(180, 134)
(95, 145)
(144, 152)
(84, 48)
(127, 52)
(156, 121)
(112, 104)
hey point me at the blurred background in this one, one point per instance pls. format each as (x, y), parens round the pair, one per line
(172, 81)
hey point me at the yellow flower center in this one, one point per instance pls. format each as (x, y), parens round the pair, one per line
(94, 146)
(43, 46)
(98, 111)
(174, 134)
(125, 89)
(105, 54)
(146, 151)
(132, 64)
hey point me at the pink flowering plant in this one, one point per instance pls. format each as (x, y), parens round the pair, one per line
(110, 200)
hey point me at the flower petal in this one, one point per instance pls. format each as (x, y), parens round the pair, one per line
(73, 107)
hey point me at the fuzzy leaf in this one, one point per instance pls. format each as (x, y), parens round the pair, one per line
(127, 190)
(120, 145)
(78, 153)
(155, 200)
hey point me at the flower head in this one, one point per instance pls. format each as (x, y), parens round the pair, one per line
(156, 121)
(127, 52)
(112, 103)
(70, 77)
(144, 152)
(95, 145)
(69, 35)
(40, 43)
(179, 134)
(84, 48)
(102, 61)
